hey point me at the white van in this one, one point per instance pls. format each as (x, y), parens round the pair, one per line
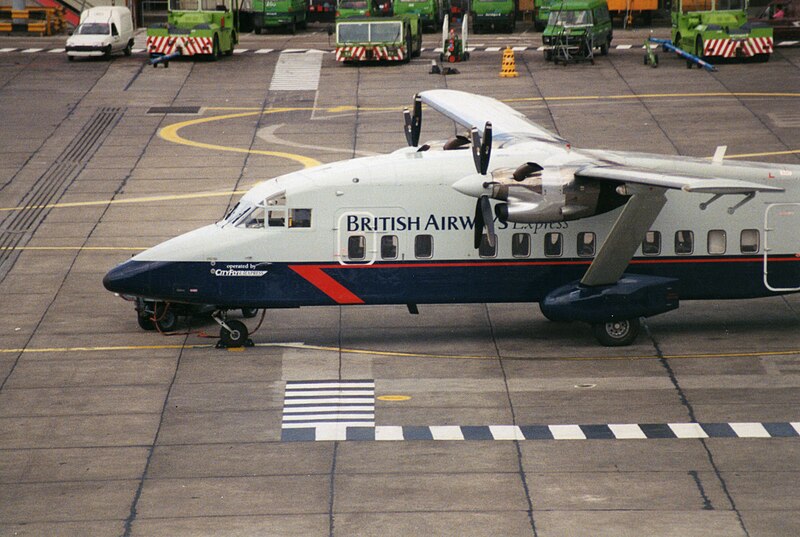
(102, 31)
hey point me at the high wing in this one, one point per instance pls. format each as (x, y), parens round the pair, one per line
(474, 111)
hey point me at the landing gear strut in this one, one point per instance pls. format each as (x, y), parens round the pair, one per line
(232, 333)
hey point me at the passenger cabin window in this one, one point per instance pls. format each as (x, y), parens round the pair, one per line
(423, 246)
(586, 242)
(651, 245)
(684, 242)
(717, 242)
(521, 245)
(389, 247)
(749, 241)
(486, 249)
(299, 218)
(553, 244)
(356, 247)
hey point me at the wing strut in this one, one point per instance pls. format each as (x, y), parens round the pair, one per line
(626, 235)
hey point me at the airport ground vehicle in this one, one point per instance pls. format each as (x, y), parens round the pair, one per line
(430, 11)
(783, 16)
(541, 13)
(289, 14)
(493, 15)
(321, 10)
(576, 28)
(719, 29)
(630, 9)
(102, 31)
(348, 9)
(363, 39)
(196, 27)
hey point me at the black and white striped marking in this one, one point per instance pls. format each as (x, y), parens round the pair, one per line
(326, 409)
(297, 71)
(621, 431)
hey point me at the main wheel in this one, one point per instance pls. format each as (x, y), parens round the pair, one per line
(145, 322)
(617, 333)
(236, 336)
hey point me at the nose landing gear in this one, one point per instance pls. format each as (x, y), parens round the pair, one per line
(232, 333)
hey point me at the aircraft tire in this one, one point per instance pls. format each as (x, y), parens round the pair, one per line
(166, 320)
(236, 337)
(617, 333)
(145, 322)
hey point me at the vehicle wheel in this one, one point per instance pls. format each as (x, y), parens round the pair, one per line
(249, 313)
(129, 48)
(548, 55)
(236, 337)
(70, 58)
(145, 322)
(617, 333)
(166, 320)
(215, 49)
(645, 59)
(257, 30)
(293, 28)
(107, 52)
(304, 24)
(655, 60)
(604, 48)
(698, 47)
(409, 49)
(689, 64)
(418, 52)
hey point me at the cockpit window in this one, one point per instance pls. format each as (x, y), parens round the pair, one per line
(254, 219)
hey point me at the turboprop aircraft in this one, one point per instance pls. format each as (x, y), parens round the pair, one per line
(603, 237)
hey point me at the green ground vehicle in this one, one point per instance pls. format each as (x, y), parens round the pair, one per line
(196, 27)
(430, 11)
(348, 9)
(541, 14)
(396, 38)
(289, 14)
(719, 29)
(577, 27)
(493, 15)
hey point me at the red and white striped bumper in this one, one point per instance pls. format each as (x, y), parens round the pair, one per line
(189, 45)
(730, 48)
(369, 54)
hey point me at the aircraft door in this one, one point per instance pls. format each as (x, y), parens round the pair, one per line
(782, 247)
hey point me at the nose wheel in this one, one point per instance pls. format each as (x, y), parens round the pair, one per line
(232, 333)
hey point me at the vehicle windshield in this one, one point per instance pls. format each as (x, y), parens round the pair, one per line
(570, 18)
(93, 28)
(385, 32)
(183, 5)
(732, 4)
(688, 6)
(353, 4)
(353, 33)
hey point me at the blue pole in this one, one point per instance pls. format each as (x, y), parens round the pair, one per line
(667, 45)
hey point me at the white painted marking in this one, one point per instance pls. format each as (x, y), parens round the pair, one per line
(796, 425)
(626, 431)
(296, 72)
(264, 50)
(787, 43)
(329, 400)
(137, 50)
(687, 430)
(492, 49)
(32, 50)
(388, 432)
(336, 431)
(323, 385)
(56, 50)
(438, 49)
(624, 47)
(330, 393)
(327, 417)
(506, 432)
(470, 49)
(7, 49)
(567, 432)
(750, 430)
(350, 408)
(446, 432)
(240, 50)
(540, 49)
(519, 49)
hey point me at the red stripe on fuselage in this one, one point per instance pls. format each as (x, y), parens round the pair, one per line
(319, 279)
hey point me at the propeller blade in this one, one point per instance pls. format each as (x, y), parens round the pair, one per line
(482, 147)
(479, 223)
(484, 220)
(413, 122)
(488, 218)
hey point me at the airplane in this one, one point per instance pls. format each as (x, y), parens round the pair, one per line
(504, 212)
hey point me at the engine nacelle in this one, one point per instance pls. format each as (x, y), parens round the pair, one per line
(552, 194)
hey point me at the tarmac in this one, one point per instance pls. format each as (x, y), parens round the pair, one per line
(487, 419)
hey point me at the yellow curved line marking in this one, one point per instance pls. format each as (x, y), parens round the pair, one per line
(394, 398)
(170, 134)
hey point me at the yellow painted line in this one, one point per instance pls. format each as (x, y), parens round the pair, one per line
(75, 248)
(170, 134)
(394, 398)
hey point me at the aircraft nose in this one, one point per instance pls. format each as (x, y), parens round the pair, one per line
(129, 278)
(472, 185)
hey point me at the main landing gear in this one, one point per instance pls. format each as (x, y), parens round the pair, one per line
(617, 333)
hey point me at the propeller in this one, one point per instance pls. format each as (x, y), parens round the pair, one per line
(484, 219)
(482, 147)
(413, 122)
